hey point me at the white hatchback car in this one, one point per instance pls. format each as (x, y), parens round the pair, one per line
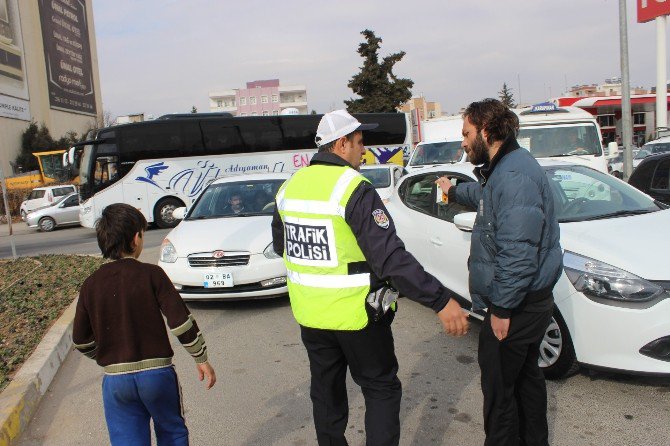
(612, 300)
(222, 249)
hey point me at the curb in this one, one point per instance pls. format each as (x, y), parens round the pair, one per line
(20, 399)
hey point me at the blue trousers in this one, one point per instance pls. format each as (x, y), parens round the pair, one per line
(132, 399)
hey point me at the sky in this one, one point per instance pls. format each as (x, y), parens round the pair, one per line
(165, 56)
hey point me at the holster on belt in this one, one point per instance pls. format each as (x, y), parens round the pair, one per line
(381, 301)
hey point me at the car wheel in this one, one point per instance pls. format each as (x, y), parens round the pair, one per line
(47, 224)
(163, 212)
(557, 354)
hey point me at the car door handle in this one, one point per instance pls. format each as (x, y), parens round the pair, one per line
(436, 241)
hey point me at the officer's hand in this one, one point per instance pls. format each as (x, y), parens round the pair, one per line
(205, 369)
(500, 327)
(454, 319)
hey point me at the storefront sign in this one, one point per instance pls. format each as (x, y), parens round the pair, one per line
(14, 108)
(648, 10)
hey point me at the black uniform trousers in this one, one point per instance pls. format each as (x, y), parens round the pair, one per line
(369, 354)
(515, 394)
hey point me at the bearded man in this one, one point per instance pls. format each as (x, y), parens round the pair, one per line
(515, 261)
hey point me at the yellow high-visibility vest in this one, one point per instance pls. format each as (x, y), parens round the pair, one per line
(318, 247)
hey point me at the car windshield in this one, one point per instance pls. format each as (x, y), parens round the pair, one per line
(642, 154)
(236, 199)
(581, 193)
(437, 153)
(659, 147)
(560, 140)
(380, 178)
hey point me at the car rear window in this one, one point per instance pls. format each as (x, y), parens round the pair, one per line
(36, 194)
(61, 191)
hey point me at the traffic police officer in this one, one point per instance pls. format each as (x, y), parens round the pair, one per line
(342, 256)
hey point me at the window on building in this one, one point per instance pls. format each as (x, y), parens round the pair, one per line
(219, 103)
(275, 113)
(638, 118)
(275, 98)
(264, 99)
(266, 113)
(252, 100)
(243, 114)
(254, 114)
(243, 101)
(606, 120)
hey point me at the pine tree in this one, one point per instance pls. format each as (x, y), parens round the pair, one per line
(194, 109)
(506, 96)
(379, 89)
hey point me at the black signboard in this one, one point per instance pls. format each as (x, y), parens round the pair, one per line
(68, 55)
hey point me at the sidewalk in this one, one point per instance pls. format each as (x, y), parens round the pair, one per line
(20, 228)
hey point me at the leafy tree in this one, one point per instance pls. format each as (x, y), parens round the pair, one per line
(506, 96)
(34, 139)
(379, 89)
(194, 109)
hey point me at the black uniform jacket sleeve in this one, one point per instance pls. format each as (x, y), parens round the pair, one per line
(385, 253)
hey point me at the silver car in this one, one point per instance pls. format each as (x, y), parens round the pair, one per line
(62, 213)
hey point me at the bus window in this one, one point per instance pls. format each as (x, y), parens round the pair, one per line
(260, 135)
(299, 131)
(160, 140)
(221, 137)
(391, 130)
(106, 171)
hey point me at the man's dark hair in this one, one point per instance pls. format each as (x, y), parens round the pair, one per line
(117, 228)
(328, 147)
(494, 117)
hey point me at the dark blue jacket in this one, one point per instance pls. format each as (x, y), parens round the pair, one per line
(515, 253)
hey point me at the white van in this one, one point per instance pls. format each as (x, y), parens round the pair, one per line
(44, 196)
(570, 133)
(442, 138)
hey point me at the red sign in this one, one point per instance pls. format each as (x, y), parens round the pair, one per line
(648, 10)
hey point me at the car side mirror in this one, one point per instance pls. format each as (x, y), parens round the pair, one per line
(465, 221)
(612, 150)
(179, 213)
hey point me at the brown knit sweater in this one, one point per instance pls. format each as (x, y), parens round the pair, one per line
(119, 318)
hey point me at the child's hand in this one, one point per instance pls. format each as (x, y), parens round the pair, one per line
(205, 369)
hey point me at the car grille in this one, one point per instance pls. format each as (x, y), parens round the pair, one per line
(206, 260)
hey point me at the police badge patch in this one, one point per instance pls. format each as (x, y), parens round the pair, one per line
(380, 218)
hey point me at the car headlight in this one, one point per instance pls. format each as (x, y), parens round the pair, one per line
(270, 253)
(168, 253)
(599, 279)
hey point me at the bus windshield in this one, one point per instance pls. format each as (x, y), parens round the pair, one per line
(85, 165)
(560, 140)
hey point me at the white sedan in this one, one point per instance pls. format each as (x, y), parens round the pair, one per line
(222, 249)
(612, 300)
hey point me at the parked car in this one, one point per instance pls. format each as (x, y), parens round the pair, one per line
(651, 177)
(612, 300)
(383, 177)
(44, 196)
(642, 154)
(222, 249)
(64, 212)
(659, 145)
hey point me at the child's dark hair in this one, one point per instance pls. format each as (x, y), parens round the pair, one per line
(117, 228)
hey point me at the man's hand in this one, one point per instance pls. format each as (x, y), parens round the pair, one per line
(205, 369)
(500, 327)
(444, 183)
(454, 319)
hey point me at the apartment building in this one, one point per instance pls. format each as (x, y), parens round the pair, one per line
(260, 98)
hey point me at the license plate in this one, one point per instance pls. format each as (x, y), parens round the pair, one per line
(218, 280)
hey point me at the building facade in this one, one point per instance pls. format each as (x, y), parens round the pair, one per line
(48, 70)
(424, 109)
(260, 98)
(604, 102)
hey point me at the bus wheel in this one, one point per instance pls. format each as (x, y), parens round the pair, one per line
(163, 212)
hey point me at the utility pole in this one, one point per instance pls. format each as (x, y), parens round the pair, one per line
(626, 115)
(661, 77)
(3, 184)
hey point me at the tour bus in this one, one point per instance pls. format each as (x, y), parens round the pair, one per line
(158, 166)
(549, 131)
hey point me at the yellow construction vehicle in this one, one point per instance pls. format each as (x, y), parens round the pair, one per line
(51, 171)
